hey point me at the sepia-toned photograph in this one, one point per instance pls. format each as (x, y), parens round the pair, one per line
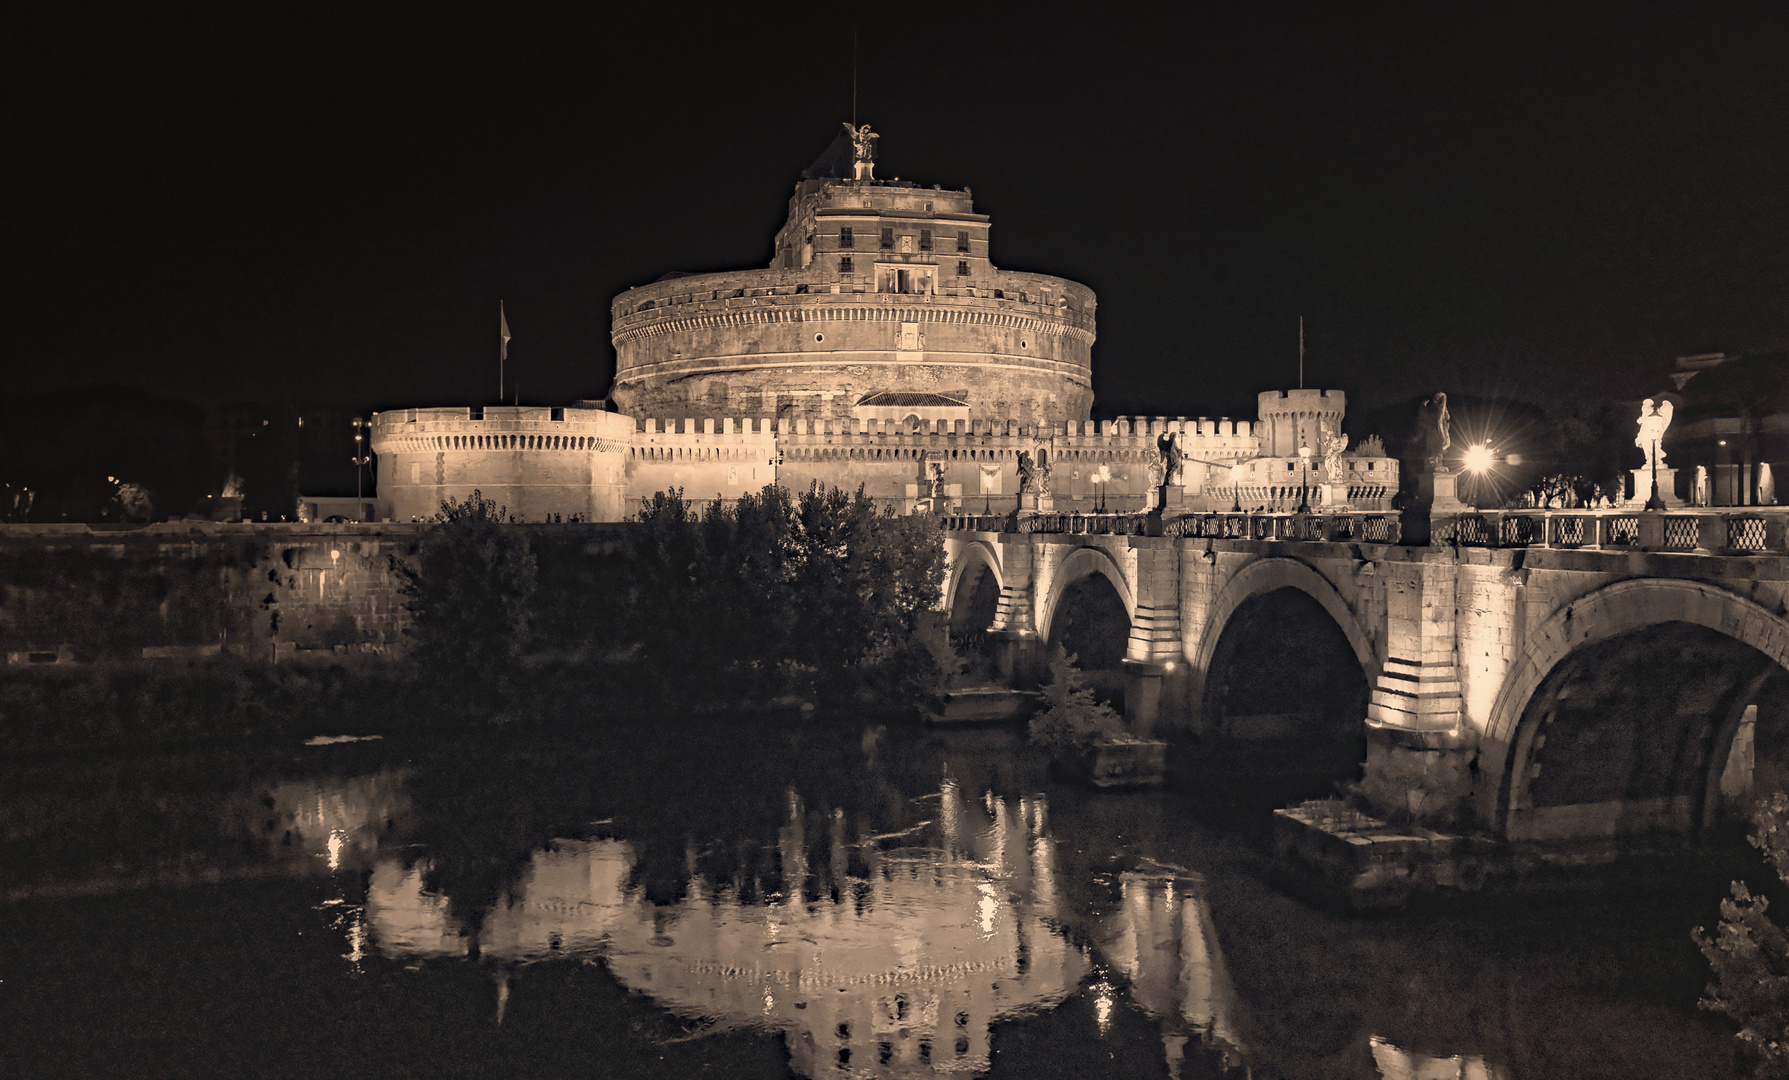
(833, 543)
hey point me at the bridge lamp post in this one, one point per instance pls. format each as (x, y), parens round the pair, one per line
(1655, 503)
(1304, 478)
(361, 457)
(1236, 488)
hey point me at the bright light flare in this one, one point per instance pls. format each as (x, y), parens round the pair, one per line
(1479, 458)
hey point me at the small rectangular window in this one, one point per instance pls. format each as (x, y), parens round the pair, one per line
(845, 265)
(962, 267)
(476, 412)
(963, 241)
(888, 238)
(559, 414)
(845, 239)
(925, 239)
(801, 288)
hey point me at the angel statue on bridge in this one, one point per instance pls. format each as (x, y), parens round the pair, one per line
(1432, 428)
(1654, 419)
(1334, 446)
(1173, 459)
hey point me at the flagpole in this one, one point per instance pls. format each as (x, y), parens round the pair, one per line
(1301, 352)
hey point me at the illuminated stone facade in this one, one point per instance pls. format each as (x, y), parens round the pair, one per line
(876, 287)
(881, 348)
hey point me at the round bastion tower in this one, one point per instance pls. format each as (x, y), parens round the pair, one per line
(880, 301)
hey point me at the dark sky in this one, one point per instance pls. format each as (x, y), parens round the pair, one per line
(242, 201)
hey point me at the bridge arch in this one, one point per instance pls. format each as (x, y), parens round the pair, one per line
(1514, 731)
(973, 561)
(970, 555)
(1081, 563)
(1269, 575)
(1279, 682)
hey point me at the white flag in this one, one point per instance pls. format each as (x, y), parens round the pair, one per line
(502, 332)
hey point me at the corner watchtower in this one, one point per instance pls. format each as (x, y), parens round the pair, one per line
(1290, 418)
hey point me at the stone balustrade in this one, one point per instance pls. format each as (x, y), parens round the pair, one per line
(1708, 531)
(1356, 526)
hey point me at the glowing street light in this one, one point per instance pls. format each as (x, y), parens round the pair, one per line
(1480, 458)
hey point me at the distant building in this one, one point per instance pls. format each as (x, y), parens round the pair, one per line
(1729, 441)
(880, 348)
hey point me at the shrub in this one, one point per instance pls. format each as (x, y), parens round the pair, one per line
(1073, 723)
(1749, 952)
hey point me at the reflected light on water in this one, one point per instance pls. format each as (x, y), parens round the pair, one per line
(906, 970)
(1397, 1064)
(1103, 997)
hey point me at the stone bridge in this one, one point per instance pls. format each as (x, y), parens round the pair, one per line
(1544, 675)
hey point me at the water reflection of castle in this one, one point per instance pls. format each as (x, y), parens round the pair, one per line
(900, 970)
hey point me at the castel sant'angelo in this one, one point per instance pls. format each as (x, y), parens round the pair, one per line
(880, 348)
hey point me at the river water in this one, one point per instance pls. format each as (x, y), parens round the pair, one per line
(730, 898)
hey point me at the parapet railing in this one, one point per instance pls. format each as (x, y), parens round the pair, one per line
(1716, 531)
(1359, 526)
(1368, 527)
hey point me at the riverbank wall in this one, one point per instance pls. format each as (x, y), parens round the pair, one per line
(181, 591)
(82, 594)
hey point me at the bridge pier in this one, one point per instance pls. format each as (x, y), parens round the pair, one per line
(1018, 656)
(1143, 696)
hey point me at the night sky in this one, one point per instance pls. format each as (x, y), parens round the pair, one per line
(236, 204)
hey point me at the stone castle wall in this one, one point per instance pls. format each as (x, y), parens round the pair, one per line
(538, 463)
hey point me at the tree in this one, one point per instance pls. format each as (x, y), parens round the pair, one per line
(468, 591)
(1749, 953)
(819, 594)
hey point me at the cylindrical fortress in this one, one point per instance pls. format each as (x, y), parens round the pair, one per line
(880, 294)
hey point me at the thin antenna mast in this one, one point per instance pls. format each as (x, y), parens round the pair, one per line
(1301, 352)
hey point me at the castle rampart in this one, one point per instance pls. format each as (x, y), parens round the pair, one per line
(539, 463)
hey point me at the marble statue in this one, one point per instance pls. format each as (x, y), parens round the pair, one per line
(1173, 459)
(1027, 473)
(863, 142)
(1434, 425)
(1654, 419)
(1334, 446)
